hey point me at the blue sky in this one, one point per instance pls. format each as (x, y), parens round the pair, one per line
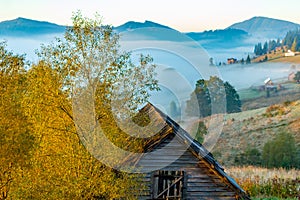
(183, 15)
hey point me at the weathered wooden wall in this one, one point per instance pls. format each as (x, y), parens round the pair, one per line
(201, 181)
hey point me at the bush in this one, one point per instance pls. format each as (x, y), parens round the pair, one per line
(276, 110)
(281, 152)
(251, 156)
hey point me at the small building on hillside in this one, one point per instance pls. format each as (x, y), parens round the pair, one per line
(231, 61)
(271, 87)
(268, 82)
(175, 166)
(289, 54)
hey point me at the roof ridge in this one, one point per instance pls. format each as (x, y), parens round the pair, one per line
(198, 148)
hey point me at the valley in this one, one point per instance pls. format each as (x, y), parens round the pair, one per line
(181, 59)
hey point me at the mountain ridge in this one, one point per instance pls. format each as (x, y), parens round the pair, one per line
(259, 26)
(265, 26)
(24, 27)
(130, 25)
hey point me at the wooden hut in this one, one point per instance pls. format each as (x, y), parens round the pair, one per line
(175, 166)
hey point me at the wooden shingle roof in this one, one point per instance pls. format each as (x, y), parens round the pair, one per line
(169, 128)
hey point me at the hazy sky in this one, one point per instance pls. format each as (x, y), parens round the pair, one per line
(183, 15)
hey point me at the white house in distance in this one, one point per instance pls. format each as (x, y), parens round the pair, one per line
(268, 81)
(289, 54)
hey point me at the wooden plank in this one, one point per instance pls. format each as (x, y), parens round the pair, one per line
(207, 189)
(211, 194)
(169, 158)
(210, 198)
(207, 180)
(205, 183)
(167, 164)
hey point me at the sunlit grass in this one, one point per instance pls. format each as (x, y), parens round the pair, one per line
(262, 183)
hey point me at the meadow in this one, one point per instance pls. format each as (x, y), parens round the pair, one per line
(263, 183)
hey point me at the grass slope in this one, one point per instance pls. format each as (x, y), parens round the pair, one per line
(253, 129)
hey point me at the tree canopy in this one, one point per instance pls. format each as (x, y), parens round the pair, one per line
(16, 137)
(297, 77)
(292, 40)
(42, 153)
(207, 91)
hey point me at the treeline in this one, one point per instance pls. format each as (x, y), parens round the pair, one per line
(267, 47)
(44, 151)
(290, 41)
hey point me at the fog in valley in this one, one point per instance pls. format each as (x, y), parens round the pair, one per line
(180, 63)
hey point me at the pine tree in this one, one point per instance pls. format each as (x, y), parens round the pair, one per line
(258, 49)
(248, 60)
(265, 48)
(243, 61)
(294, 45)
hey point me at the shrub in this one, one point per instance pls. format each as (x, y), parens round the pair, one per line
(251, 156)
(281, 152)
(276, 110)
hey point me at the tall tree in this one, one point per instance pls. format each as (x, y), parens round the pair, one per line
(265, 48)
(16, 140)
(258, 49)
(290, 38)
(278, 42)
(294, 45)
(199, 102)
(208, 93)
(232, 99)
(272, 45)
(87, 57)
(248, 60)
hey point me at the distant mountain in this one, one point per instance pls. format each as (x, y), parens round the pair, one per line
(237, 40)
(224, 35)
(265, 27)
(148, 30)
(131, 25)
(28, 27)
(220, 38)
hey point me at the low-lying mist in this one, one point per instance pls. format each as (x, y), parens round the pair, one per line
(179, 64)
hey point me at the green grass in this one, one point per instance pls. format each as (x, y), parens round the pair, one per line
(245, 115)
(250, 93)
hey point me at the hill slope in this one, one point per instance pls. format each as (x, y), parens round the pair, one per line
(27, 27)
(266, 27)
(253, 128)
